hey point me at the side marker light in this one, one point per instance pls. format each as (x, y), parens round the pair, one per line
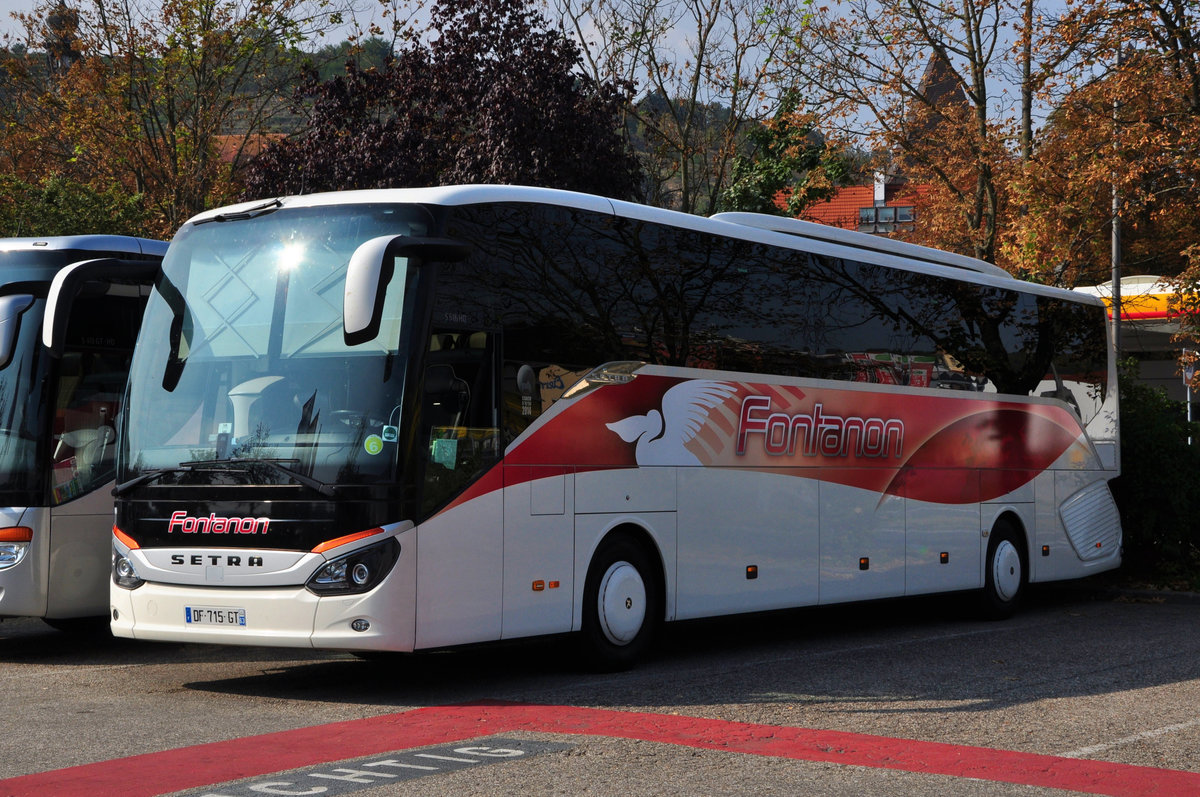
(751, 572)
(864, 563)
(944, 557)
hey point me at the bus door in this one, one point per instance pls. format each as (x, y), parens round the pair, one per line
(91, 326)
(458, 440)
(539, 511)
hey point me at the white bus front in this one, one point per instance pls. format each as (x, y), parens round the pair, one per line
(263, 485)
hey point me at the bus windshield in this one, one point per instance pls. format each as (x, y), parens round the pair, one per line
(242, 364)
(22, 403)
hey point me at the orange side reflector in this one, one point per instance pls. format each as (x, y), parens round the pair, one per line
(16, 534)
(325, 546)
(553, 585)
(538, 586)
(126, 540)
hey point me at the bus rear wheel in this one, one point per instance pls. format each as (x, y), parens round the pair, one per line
(1006, 573)
(622, 605)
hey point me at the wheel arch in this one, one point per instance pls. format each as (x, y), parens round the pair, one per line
(658, 544)
(1005, 578)
(1010, 520)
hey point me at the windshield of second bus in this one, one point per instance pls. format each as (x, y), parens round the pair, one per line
(242, 373)
(22, 410)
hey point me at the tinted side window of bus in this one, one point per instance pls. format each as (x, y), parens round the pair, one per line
(573, 289)
(91, 383)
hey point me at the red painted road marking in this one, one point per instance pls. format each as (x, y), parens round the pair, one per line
(218, 762)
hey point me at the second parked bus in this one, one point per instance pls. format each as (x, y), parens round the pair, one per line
(410, 419)
(70, 308)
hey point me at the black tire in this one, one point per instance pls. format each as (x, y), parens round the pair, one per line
(622, 605)
(1006, 572)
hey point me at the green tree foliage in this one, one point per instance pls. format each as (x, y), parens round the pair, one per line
(496, 97)
(1156, 492)
(788, 159)
(370, 53)
(59, 206)
(164, 98)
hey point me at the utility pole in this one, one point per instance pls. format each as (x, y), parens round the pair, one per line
(1116, 219)
(1189, 371)
(1116, 268)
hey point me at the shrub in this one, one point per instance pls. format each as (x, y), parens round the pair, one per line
(60, 206)
(1157, 492)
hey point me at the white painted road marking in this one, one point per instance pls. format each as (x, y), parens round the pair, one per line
(1084, 752)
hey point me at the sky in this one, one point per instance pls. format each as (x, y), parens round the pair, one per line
(9, 26)
(7, 7)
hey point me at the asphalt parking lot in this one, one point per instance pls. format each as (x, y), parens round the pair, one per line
(1083, 691)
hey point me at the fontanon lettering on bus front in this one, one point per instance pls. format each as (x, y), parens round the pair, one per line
(216, 525)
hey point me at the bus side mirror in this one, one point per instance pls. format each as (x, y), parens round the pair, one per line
(371, 267)
(69, 283)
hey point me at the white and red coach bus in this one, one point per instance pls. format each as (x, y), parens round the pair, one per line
(70, 307)
(411, 419)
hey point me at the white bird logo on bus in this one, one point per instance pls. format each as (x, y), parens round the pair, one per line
(662, 437)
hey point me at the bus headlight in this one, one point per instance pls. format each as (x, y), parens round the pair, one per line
(355, 572)
(14, 544)
(124, 574)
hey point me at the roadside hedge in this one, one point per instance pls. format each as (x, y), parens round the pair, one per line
(1158, 492)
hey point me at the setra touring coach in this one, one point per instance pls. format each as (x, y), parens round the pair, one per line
(418, 418)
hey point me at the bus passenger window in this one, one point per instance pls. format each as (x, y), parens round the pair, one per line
(88, 393)
(86, 404)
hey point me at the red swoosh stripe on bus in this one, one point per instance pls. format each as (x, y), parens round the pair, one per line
(1007, 446)
(1006, 443)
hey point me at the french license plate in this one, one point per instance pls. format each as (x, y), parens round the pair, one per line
(211, 615)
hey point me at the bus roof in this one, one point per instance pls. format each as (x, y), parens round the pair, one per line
(861, 240)
(760, 228)
(115, 244)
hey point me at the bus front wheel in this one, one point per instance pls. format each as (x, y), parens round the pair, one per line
(622, 605)
(1006, 573)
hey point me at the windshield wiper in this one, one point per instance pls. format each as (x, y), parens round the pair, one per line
(125, 487)
(327, 490)
(248, 213)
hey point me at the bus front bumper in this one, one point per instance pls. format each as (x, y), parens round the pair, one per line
(290, 617)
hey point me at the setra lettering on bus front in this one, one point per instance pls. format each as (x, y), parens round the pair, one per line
(215, 559)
